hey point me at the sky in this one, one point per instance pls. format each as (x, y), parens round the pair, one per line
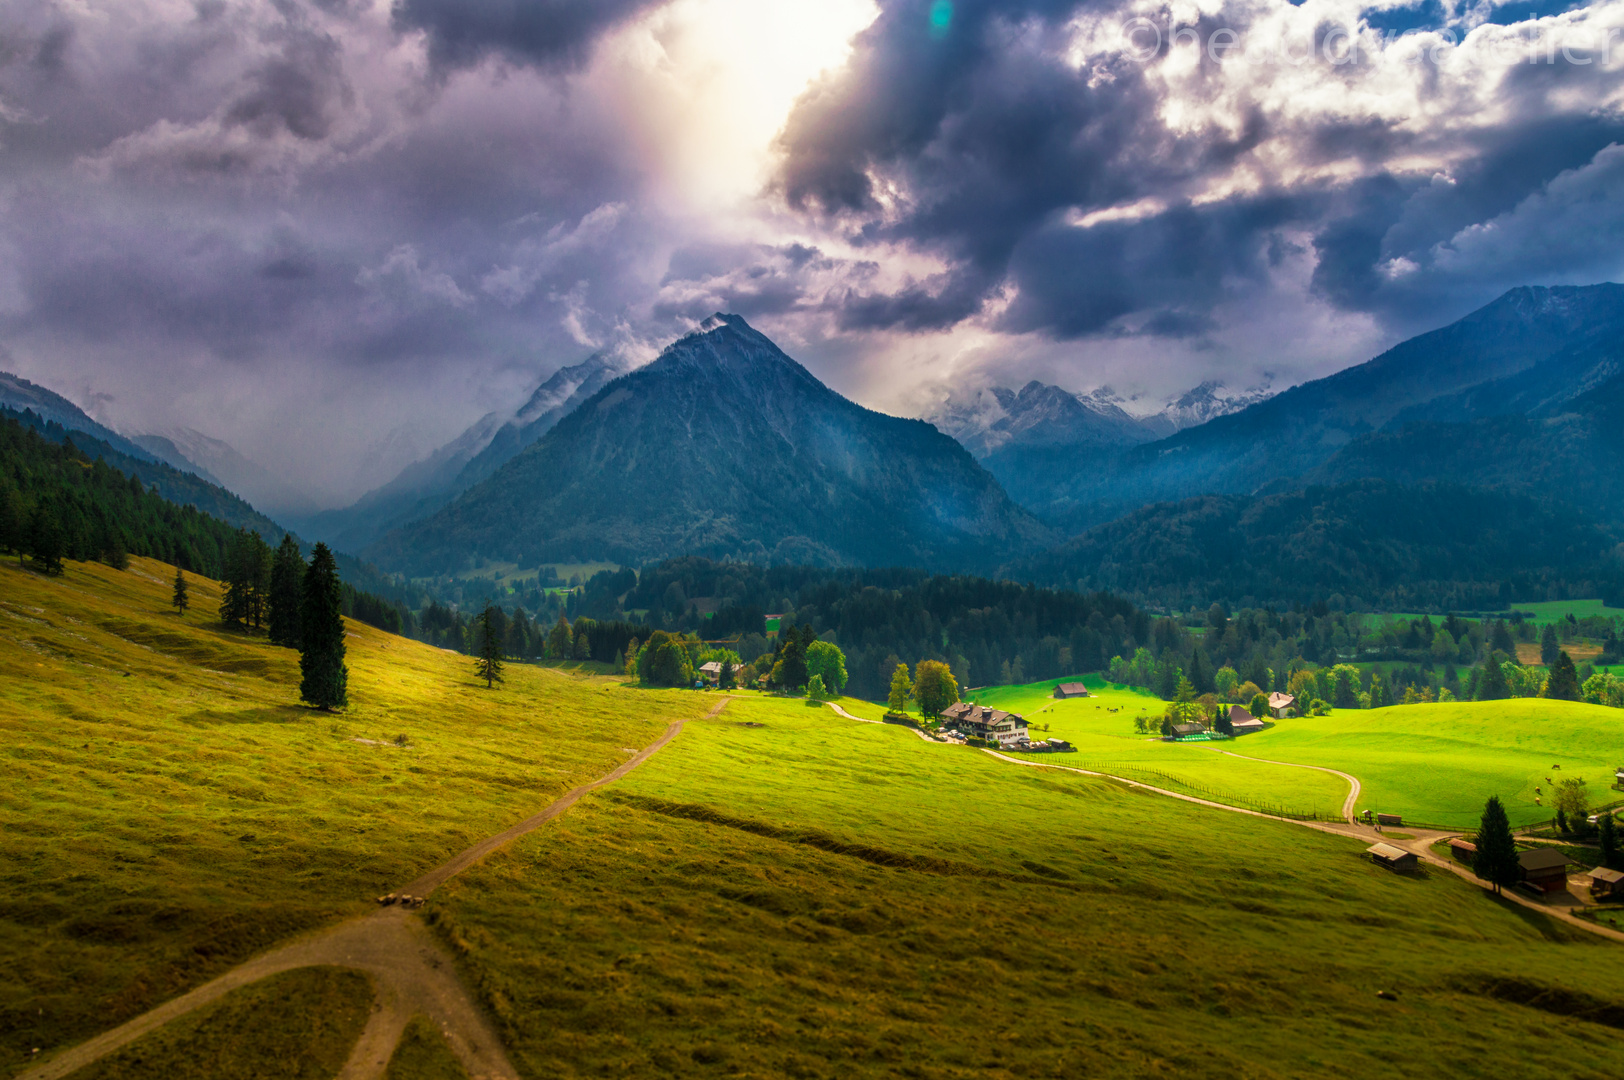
(335, 232)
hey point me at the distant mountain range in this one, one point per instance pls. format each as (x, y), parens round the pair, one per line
(1296, 432)
(1032, 439)
(724, 446)
(425, 486)
(20, 395)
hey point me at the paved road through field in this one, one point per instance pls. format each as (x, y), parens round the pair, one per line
(412, 973)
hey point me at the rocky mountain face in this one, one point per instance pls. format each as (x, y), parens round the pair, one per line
(1297, 431)
(489, 443)
(724, 446)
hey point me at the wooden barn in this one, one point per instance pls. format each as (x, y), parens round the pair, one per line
(1070, 690)
(1394, 858)
(1607, 884)
(1463, 850)
(1545, 869)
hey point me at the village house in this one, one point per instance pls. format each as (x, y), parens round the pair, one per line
(1281, 705)
(1606, 884)
(1394, 858)
(1545, 869)
(711, 673)
(1242, 722)
(983, 722)
(1070, 690)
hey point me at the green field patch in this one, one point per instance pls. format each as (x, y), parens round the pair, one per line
(424, 1054)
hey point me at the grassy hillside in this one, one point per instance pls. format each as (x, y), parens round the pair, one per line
(169, 807)
(811, 897)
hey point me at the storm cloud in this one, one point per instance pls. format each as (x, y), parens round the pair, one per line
(337, 231)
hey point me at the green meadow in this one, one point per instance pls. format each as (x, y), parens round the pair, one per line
(170, 809)
(1436, 764)
(782, 892)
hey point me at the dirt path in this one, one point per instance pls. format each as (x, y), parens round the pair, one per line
(412, 974)
(1354, 787)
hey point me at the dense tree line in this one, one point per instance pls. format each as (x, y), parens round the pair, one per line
(878, 618)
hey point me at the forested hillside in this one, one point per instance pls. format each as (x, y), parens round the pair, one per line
(1370, 544)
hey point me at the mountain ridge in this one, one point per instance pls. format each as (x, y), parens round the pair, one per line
(725, 446)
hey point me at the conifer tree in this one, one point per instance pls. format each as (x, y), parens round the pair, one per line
(235, 606)
(1607, 840)
(1492, 685)
(287, 593)
(726, 678)
(13, 524)
(560, 641)
(488, 664)
(1563, 684)
(179, 598)
(1496, 860)
(324, 679)
(45, 546)
(1548, 645)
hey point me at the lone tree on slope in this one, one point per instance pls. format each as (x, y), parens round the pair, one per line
(901, 690)
(180, 599)
(324, 679)
(488, 665)
(1496, 860)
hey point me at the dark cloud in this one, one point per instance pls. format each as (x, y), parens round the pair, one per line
(298, 92)
(550, 33)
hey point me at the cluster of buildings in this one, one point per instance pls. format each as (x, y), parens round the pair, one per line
(995, 726)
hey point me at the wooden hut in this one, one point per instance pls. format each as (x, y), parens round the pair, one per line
(1606, 884)
(1545, 869)
(1070, 690)
(1463, 850)
(1394, 858)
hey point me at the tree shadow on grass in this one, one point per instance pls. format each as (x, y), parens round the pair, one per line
(270, 714)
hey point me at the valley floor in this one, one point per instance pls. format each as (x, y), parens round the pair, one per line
(779, 891)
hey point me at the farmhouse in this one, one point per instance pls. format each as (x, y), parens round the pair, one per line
(986, 723)
(1606, 884)
(711, 672)
(1243, 722)
(1281, 704)
(1070, 689)
(1394, 858)
(1545, 869)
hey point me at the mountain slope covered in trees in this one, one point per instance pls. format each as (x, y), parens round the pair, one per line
(1431, 547)
(724, 446)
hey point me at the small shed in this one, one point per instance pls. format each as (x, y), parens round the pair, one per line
(1070, 689)
(1544, 868)
(1606, 884)
(1281, 704)
(1181, 730)
(1394, 858)
(1395, 820)
(1463, 850)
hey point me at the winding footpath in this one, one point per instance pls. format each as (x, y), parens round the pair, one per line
(412, 973)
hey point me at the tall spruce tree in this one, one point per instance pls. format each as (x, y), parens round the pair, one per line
(488, 661)
(235, 605)
(324, 680)
(1548, 645)
(1492, 685)
(45, 544)
(180, 598)
(1496, 860)
(257, 574)
(901, 690)
(1563, 682)
(13, 522)
(287, 593)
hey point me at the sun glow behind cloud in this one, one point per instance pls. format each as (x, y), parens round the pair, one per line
(703, 87)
